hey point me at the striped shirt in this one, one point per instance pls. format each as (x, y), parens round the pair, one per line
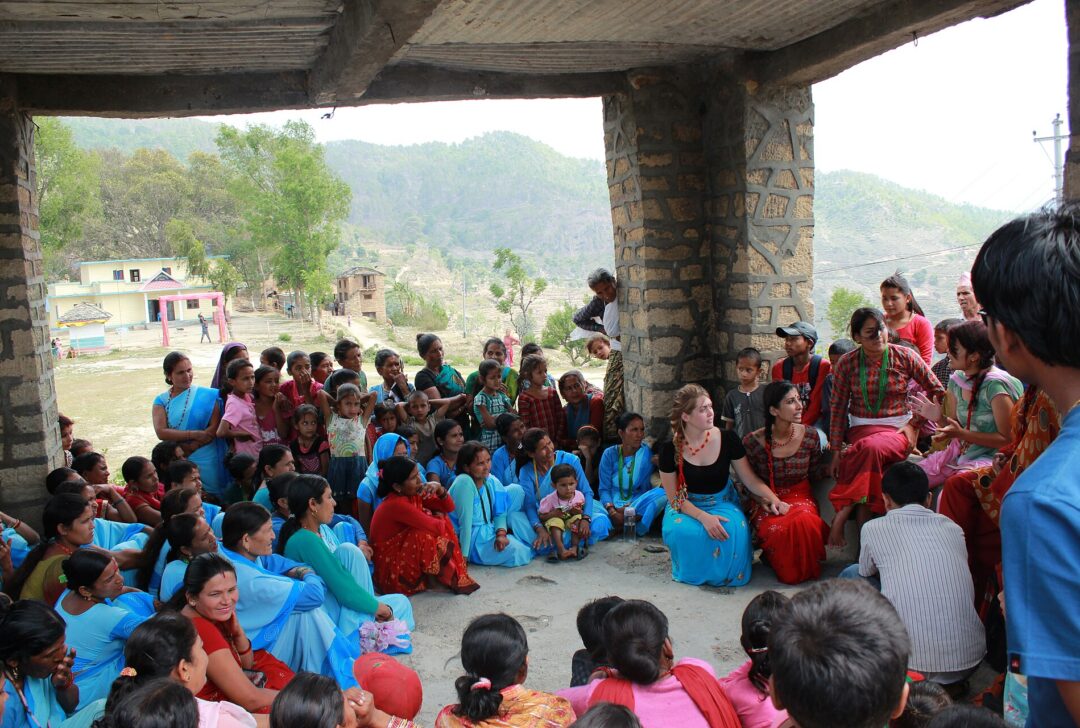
(847, 396)
(923, 564)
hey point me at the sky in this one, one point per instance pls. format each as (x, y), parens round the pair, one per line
(953, 115)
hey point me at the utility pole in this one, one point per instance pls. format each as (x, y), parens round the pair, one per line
(1059, 160)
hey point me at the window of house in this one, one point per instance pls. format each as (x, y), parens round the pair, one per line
(367, 296)
(118, 275)
(367, 281)
(193, 304)
(134, 275)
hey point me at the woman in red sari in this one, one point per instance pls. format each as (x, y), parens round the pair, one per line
(786, 454)
(872, 425)
(412, 536)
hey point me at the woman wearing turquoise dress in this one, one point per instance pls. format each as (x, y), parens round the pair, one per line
(367, 493)
(704, 527)
(189, 415)
(481, 504)
(511, 430)
(36, 666)
(525, 521)
(306, 538)
(626, 476)
(281, 601)
(101, 614)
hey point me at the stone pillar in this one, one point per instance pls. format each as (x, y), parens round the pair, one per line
(1072, 153)
(29, 434)
(711, 185)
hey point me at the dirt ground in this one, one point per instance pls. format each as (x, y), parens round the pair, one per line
(110, 398)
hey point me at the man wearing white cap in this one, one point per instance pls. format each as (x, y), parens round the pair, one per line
(965, 296)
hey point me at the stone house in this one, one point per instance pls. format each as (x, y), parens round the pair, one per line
(361, 291)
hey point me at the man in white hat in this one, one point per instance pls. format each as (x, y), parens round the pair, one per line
(965, 296)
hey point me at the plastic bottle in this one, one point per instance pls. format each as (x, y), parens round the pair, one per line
(629, 524)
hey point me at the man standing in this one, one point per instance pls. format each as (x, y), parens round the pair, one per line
(804, 369)
(1027, 276)
(205, 330)
(601, 315)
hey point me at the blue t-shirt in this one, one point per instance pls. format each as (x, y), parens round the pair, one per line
(1040, 551)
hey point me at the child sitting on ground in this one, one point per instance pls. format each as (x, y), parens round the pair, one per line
(310, 450)
(744, 406)
(838, 654)
(561, 511)
(242, 469)
(747, 686)
(590, 625)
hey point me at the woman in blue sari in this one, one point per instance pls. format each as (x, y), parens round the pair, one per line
(101, 613)
(511, 429)
(36, 665)
(626, 476)
(281, 605)
(481, 504)
(704, 526)
(189, 415)
(535, 480)
(367, 493)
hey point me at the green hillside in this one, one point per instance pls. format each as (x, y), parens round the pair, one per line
(179, 137)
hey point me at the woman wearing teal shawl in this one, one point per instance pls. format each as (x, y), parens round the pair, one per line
(367, 499)
(281, 601)
(440, 380)
(626, 476)
(189, 415)
(481, 504)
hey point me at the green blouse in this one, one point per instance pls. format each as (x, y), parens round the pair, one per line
(309, 548)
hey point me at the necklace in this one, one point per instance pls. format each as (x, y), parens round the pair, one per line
(183, 413)
(692, 451)
(883, 376)
(626, 463)
(66, 549)
(791, 436)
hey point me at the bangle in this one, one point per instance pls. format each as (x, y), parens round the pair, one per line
(500, 531)
(16, 525)
(245, 652)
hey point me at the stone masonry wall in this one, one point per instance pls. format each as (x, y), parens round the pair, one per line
(29, 435)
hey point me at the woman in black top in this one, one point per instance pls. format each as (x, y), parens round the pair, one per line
(704, 527)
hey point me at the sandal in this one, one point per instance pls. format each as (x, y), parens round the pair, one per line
(553, 558)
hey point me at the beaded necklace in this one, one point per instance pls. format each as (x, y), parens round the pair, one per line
(623, 465)
(183, 413)
(883, 375)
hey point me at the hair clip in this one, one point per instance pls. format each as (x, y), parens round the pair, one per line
(128, 672)
(757, 650)
(62, 578)
(380, 472)
(481, 684)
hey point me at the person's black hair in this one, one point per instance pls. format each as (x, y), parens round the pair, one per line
(634, 634)
(200, 570)
(749, 353)
(237, 464)
(588, 432)
(590, 626)
(317, 358)
(158, 703)
(64, 421)
(133, 467)
(27, 628)
(531, 348)
(393, 471)
(232, 371)
(973, 336)
(60, 475)
(179, 533)
(303, 411)
(492, 342)
(468, 454)
(504, 421)
(945, 324)
(598, 276)
(772, 397)
(86, 462)
(757, 621)
(381, 357)
(339, 378)
(293, 357)
(84, 567)
(859, 317)
(60, 510)
(383, 408)
(302, 489)
(625, 418)
(274, 355)
(560, 471)
(841, 347)
(487, 367)
(342, 349)
(72, 486)
(173, 504)
(163, 454)
(177, 471)
(897, 281)
(533, 436)
(966, 716)
(278, 487)
(905, 482)
(79, 446)
(309, 700)
(154, 649)
(262, 372)
(442, 429)
(424, 342)
(242, 519)
(607, 715)
(269, 457)
(839, 655)
(407, 431)
(346, 390)
(493, 647)
(171, 360)
(925, 699)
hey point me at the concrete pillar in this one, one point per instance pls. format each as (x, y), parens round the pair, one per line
(711, 185)
(29, 434)
(1072, 153)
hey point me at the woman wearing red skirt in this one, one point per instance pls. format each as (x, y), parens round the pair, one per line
(412, 536)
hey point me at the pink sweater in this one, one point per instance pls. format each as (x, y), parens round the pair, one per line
(755, 709)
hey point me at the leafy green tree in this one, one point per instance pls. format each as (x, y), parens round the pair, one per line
(556, 335)
(842, 303)
(520, 293)
(68, 186)
(224, 277)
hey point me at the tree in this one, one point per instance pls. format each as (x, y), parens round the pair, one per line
(520, 293)
(224, 277)
(841, 305)
(556, 335)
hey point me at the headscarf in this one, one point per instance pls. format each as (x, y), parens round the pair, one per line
(384, 448)
(223, 362)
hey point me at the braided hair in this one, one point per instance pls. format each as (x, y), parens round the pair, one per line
(685, 401)
(757, 620)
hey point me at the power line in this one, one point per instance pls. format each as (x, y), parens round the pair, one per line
(891, 260)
